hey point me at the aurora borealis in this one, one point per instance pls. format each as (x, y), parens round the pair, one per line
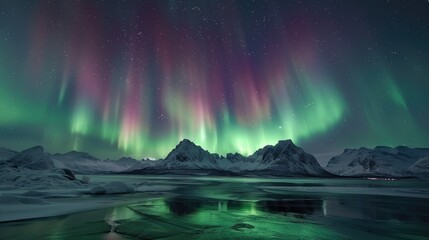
(133, 78)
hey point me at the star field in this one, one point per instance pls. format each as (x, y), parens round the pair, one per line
(116, 78)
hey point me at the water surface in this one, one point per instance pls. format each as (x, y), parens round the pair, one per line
(246, 208)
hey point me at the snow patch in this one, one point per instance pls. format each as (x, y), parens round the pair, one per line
(115, 187)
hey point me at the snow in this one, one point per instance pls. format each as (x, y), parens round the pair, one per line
(6, 154)
(380, 161)
(282, 159)
(33, 158)
(36, 179)
(20, 200)
(115, 187)
(187, 155)
(420, 168)
(142, 164)
(84, 163)
(36, 184)
(81, 162)
(287, 158)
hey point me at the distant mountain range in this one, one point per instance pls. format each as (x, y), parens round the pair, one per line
(282, 159)
(381, 161)
(84, 163)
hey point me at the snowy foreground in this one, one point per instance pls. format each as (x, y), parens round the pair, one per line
(27, 194)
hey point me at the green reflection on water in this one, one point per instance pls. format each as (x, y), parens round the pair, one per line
(241, 208)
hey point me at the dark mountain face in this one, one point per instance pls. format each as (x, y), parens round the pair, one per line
(285, 157)
(235, 157)
(187, 155)
(33, 158)
(6, 153)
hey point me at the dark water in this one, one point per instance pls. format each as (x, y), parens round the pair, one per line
(245, 208)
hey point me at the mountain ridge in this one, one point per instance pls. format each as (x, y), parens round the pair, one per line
(281, 159)
(378, 161)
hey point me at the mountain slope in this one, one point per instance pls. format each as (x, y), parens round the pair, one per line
(34, 158)
(380, 161)
(234, 162)
(187, 155)
(35, 168)
(6, 154)
(286, 159)
(85, 163)
(283, 159)
(420, 168)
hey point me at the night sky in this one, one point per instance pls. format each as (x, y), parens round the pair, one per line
(133, 78)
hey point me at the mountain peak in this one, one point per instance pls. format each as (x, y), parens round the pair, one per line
(402, 147)
(35, 149)
(33, 158)
(186, 145)
(348, 150)
(285, 158)
(186, 142)
(188, 155)
(285, 143)
(76, 155)
(382, 147)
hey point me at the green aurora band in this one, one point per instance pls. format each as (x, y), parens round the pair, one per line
(128, 88)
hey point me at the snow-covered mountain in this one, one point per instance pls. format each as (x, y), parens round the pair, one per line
(234, 162)
(286, 159)
(380, 161)
(85, 163)
(283, 159)
(187, 155)
(34, 168)
(142, 164)
(420, 168)
(34, 158)
(6, 154)
(126, 162)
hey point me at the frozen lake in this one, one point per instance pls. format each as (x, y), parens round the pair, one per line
(185, 207)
